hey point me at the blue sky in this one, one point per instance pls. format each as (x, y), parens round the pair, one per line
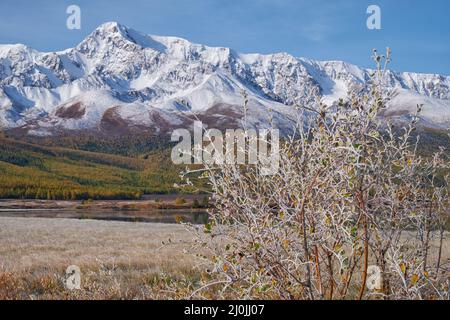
(418, 31)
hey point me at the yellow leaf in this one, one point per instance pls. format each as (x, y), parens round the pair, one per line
(414, 279)
(225, 267)
(409, 162)
(403, 267)
(286, 244)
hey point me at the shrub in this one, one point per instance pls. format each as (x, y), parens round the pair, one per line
(349, 193)
(180, 201)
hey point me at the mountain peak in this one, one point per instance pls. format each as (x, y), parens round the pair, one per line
(110, 24)
(112, 27)
(6, 49)
(121, 36)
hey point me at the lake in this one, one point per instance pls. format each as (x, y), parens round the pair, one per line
(194, 216)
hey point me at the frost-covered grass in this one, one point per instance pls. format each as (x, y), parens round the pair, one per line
(117, 259)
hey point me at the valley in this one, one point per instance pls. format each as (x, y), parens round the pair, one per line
(88, 176)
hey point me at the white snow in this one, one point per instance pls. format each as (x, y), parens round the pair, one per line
(144, 74)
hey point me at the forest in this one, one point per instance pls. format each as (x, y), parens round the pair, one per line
(88, 166)
(38, 170)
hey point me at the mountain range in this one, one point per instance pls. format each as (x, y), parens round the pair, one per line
(121, 80)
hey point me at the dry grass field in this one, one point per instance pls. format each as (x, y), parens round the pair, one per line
(117, 259)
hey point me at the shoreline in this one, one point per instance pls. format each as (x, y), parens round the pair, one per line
(156, 202)
(172, 211)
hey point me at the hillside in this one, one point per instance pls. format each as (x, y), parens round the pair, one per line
(33, 171)
(101, 167)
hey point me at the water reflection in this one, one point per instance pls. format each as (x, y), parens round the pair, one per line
(154, 215)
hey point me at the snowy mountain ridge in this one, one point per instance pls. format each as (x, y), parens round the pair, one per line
(119, 78)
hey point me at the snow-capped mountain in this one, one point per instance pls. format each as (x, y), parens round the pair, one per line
(121, 79)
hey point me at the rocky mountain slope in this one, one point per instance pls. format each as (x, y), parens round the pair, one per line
(118, 79)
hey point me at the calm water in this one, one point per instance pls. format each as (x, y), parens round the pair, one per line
(153, 215)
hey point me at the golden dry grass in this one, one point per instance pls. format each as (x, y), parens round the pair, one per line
(117, 259)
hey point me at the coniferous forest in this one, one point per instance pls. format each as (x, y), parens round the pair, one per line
(43, 170)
